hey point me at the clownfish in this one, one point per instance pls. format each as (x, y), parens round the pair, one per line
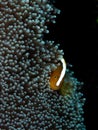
(57, 76)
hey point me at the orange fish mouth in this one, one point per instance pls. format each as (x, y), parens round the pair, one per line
(57, 76)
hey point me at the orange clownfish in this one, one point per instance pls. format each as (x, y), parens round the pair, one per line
(57, 76)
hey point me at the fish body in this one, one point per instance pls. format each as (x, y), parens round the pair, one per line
(57, 76)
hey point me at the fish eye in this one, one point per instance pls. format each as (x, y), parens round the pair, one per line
(55, 77)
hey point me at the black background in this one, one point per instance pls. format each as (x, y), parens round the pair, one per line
(77, 32)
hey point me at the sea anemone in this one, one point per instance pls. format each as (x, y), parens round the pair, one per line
(27, 101)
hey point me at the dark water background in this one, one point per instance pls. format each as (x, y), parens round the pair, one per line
(77, 32)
